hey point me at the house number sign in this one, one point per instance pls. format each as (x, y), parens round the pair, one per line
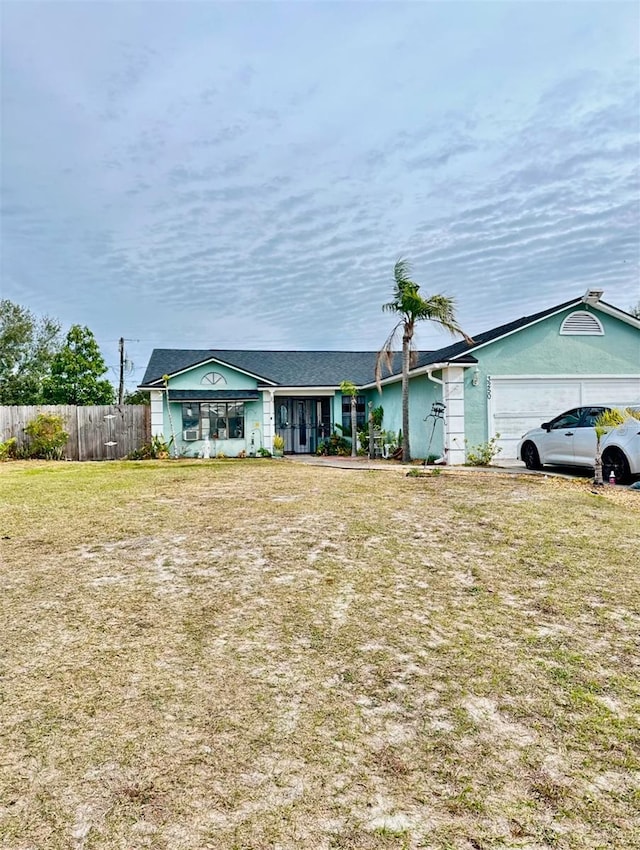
(488, 386)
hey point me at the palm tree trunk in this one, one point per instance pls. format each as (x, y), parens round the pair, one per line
(406, 363)
(597, 479)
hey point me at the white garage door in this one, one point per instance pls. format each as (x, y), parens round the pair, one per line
(518, 404)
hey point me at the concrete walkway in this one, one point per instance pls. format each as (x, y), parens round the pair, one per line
(513, 467)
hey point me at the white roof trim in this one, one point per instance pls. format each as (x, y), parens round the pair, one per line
(221, 363)
(611, 311)
(303, 392)
(415, 373)
(619, 314)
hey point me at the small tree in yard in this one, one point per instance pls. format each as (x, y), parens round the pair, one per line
(350, 389)
(76, 372)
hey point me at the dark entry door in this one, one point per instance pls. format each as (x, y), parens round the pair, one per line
(296, 422)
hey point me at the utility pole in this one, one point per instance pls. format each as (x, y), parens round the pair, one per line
(121, 384)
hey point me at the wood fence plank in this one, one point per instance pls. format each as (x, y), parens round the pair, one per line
(96, 432)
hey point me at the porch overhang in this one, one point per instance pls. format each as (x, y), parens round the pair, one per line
(214, 395)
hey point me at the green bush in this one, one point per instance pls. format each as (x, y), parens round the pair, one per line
(158, 448)
(9, 449)
(335, 445)
(483, 454)
(47, 436)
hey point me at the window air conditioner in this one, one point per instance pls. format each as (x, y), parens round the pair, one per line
(190, 434)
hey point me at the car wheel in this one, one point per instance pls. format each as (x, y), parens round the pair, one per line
(613, 460)
(530, 456)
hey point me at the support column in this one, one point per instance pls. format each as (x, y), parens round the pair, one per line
(157, 413)
(268, 414)
(453, 396)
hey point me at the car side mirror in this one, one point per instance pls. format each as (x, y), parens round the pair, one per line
(546, 426)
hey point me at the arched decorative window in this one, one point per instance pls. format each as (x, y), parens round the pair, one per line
(213, 378)
(582, 323)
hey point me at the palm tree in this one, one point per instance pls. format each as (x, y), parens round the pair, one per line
(412, 308)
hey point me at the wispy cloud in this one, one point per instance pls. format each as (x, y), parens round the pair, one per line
(246, 174)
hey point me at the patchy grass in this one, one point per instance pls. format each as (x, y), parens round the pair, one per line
(269, 655)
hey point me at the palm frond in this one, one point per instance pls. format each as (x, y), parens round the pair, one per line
(402, 272)
(384, 358)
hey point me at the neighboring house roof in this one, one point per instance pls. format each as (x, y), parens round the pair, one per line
(330, 368)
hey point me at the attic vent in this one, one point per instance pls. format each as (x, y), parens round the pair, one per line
(582, 323)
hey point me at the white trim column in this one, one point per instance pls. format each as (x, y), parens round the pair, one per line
(268, 419)
(157, 413)
(453, 397)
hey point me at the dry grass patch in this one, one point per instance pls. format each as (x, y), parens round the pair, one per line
(269, 655)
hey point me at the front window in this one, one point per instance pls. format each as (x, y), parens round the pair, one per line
(360, 413)
(219, 421)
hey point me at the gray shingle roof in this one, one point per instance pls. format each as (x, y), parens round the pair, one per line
(285, 368)
(325, 368)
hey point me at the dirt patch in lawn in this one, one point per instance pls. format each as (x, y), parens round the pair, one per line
(267, 655)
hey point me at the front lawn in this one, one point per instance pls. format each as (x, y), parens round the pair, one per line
(261, 654)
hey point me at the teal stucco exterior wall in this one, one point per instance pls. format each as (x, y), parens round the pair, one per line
(192, 380)
(542, 350)
(422, 393)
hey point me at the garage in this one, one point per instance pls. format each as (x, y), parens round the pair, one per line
(518, 403)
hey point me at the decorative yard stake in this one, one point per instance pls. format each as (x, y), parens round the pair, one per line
(437, 413)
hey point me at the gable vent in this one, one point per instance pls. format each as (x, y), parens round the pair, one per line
(583, 324)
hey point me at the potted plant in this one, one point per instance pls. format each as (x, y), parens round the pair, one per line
(278, 446)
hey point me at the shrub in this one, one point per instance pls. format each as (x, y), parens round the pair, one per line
(9, 449)
(47, 436)
(278, 443)
(483, 454)
(158, 448)
(335, 445)
(264, 452)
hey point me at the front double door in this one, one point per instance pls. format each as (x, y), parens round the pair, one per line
(302, 423)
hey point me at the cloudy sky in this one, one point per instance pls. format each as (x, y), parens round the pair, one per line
(231, 174)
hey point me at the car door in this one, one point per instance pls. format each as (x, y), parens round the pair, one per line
(584, 438)
(558, 441)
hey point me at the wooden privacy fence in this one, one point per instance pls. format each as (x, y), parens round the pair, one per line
(96, 432)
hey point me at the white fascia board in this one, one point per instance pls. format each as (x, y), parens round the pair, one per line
(618, 314)
(415, 373)
(220, 363)
(611, 311)
(552, 376)
(474, 348)
(304, 391)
